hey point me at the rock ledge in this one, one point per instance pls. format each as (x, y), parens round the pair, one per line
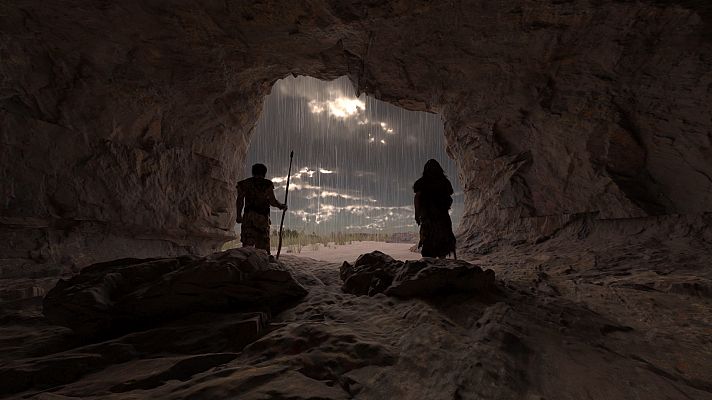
(128, 293)
(376, 272)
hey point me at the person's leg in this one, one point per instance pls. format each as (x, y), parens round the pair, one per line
(245, 237)
(263, 243)
(262, 233)
(426, 239)
(439, 240)
(248, 230)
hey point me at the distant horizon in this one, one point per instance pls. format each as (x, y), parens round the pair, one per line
(355, 158)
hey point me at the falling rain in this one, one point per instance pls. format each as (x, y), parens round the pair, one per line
(356, 158)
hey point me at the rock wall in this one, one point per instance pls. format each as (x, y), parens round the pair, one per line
(124, 125)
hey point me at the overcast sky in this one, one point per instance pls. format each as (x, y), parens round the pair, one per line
(355, 159)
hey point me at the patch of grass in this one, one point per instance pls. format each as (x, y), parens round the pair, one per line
(294, 241)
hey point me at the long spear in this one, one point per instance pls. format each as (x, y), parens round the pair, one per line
(284, 212)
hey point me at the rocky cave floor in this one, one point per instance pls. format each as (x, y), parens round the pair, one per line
(568, 320)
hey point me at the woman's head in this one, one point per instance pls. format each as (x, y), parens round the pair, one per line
(433, 168)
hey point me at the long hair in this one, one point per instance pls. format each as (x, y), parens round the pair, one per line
(433, 169)
(434, 184)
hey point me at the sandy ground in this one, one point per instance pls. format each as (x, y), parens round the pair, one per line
(350, 252)
(598, 320)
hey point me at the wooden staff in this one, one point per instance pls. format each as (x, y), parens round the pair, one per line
(284, 212)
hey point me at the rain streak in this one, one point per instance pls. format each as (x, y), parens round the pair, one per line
(355, 158)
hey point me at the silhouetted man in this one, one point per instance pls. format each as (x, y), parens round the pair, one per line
(433, 198)
(257, 195)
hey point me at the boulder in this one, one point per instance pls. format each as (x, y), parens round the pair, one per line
(429, 276)
(377, 272)
(372, 273)
(127, 293)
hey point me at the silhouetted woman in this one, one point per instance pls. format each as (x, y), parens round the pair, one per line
(433, 198)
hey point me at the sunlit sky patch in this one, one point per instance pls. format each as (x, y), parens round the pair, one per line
(355, 158)
(340, 107)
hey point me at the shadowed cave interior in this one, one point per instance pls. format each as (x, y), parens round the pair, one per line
(581, 135)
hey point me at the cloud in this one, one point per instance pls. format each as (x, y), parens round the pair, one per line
(299, 186)
(380, 124)
(340, 107)
(336, 98)
(385, 128)
(366, 227)
(325, 194)
(366, 207)
(331, 193)
(302, 173)
(355, 155)
(377, 216)
(302, 214)
(305, 171)
(312, 88)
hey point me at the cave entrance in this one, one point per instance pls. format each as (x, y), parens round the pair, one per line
(355, 161)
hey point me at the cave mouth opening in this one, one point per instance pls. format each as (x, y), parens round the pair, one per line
(356, 159)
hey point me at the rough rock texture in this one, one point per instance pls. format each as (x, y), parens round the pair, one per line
(124, 125)
(372, 273)
(375, 273)
(614, 319)
(192, 349)
(581, 126)
(117, 296)
(435, 276)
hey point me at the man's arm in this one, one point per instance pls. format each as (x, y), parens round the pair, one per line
(239, 203)
(273, 200)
